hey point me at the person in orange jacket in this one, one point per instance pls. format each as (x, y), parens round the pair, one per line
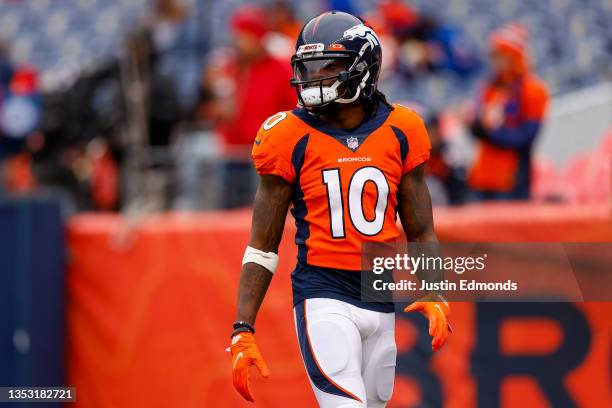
(509, 117)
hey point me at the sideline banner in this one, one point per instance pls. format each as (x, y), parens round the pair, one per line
(150, 308)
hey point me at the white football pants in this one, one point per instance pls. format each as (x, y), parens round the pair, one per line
(349, 353)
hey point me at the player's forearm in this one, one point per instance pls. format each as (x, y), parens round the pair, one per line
(254, 282)
(270, 210)
(428, 246)
(416, 215)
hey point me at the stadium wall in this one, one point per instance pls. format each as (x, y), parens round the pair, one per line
(149, 306)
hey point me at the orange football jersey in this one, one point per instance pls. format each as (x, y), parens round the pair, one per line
(344, 182)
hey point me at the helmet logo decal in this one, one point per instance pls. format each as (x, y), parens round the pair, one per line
(362, 31)
(337, 47)
(352, 143)
(314, 47)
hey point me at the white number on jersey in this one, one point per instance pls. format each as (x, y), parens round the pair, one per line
(331, 179)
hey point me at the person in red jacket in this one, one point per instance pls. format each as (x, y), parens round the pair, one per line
(509, 117)
(247, 86)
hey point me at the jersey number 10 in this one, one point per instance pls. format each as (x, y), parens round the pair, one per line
(356, 214)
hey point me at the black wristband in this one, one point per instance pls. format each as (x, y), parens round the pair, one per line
(240, 330)
(243, 325)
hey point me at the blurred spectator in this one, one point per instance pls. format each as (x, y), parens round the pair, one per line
(162, 106)
(240, 90)
(398, 17)
(56, 170)
(103, 174)
(281, 19)
(175, 44)
(167, 21)
(509, 115)
(23, 144)
(445, 179)
(20, 114)
(17, 176)
(21, 111)
(283, 29)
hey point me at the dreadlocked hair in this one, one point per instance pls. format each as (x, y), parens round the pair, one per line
(380, 97)
(377, 98)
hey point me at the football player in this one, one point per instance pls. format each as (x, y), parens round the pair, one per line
(347, 162)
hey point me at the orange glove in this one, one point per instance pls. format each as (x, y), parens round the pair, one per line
(436, 310)
(245, 353)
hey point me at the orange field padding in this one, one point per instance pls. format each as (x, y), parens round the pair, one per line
(151, 303)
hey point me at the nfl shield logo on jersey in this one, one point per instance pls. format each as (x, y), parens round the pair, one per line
(352, 143)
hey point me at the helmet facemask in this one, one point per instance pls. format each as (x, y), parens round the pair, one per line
(323, 77)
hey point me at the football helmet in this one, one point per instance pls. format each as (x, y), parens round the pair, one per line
(337, 59)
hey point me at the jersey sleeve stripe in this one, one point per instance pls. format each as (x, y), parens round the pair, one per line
(403, 142)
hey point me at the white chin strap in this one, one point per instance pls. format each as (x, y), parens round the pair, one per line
(312, 96)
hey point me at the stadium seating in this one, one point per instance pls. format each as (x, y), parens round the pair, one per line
(571, 38)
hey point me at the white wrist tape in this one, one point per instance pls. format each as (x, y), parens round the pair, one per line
(268, 260)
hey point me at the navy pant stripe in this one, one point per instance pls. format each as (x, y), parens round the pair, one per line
(320, 380)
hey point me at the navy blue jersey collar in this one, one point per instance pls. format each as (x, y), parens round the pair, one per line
(367, 127)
